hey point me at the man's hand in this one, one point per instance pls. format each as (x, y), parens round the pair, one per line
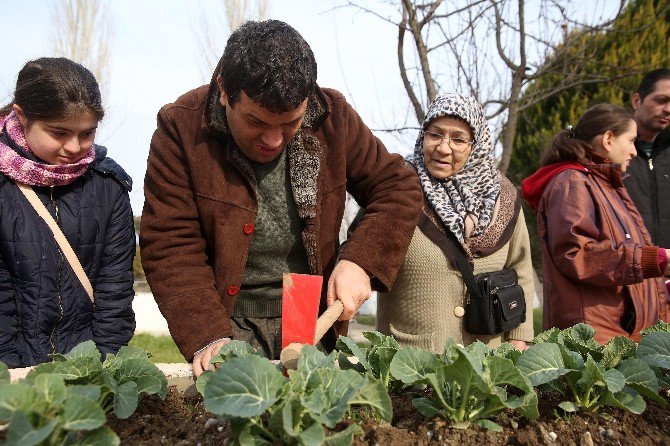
(519, 345)
(202, 358)
(350, 284)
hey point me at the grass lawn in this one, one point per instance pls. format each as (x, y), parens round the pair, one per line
(366, 319)
(162, 348)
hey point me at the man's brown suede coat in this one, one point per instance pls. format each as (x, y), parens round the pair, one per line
(200, 208)
(592, 272)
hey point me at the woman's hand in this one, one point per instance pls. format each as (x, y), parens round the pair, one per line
(667, 267)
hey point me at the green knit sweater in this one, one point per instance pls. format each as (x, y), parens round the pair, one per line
(276, 244)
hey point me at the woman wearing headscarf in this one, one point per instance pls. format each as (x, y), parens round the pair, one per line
(600, 266)
(466, 199)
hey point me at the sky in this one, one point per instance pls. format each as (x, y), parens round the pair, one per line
(156, 57)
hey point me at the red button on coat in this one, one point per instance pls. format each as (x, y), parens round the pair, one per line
(248, 229)
(233, 290)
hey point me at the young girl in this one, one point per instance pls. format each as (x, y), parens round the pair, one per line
(46, 142)
(599, 264)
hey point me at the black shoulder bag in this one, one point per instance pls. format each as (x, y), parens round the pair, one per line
(495, 302)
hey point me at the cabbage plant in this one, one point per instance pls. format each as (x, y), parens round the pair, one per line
(469, 384)
(588, 374)
(374, 359)
(122, 377)
(265, 407)
(49, 412)
(65, 402)
(654, 349)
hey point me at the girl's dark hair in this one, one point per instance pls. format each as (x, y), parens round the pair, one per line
(574, 144)
(48, 88)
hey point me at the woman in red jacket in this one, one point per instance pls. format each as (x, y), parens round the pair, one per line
(599, 264)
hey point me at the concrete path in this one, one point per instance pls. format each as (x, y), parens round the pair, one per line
(147, 316)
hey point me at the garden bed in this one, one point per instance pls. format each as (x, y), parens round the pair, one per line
(565, 389)
(182, 420)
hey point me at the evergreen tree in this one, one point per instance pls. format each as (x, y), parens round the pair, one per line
(637, 42)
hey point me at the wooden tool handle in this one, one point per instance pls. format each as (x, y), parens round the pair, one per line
(290, 354)
(327, 319)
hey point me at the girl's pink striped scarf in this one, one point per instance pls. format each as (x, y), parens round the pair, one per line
(33, 173)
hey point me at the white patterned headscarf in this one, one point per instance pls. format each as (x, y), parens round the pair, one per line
(471, 193)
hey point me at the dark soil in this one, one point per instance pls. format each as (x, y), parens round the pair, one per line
(609, 427)
(182, 420)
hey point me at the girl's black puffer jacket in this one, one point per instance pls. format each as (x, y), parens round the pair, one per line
(43, 307)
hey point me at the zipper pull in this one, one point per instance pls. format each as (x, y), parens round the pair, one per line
(651, 164)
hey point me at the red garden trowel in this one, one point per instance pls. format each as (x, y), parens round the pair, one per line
(300, 307)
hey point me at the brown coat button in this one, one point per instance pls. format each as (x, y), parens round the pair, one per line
(248, 229)
(233, 290)
(459, 311)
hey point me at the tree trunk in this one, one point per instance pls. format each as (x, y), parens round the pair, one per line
(512, 117)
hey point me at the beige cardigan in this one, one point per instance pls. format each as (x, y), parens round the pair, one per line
(420, 309)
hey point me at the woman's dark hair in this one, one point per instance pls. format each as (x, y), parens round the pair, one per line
(574, 144)
(271, 63)
(49, 88)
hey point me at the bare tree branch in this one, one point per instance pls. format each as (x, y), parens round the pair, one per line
(498, 30)
(418, 108)
(82, 31)
(494, 49)
(421, 50)
(213, 27)
(397, 129)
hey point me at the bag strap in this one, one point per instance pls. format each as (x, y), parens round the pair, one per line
(59, 236)
(467, 270)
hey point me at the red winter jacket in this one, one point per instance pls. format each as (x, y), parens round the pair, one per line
(598, 260)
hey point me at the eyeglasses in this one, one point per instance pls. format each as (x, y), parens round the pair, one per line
(435, 139)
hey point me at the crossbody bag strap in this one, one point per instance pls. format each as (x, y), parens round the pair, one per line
(64, 245)
(467, 271)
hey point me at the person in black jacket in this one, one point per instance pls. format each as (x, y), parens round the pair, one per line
(648, 182)
(47, 142)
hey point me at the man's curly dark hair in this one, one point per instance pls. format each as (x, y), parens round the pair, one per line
(271, 63)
